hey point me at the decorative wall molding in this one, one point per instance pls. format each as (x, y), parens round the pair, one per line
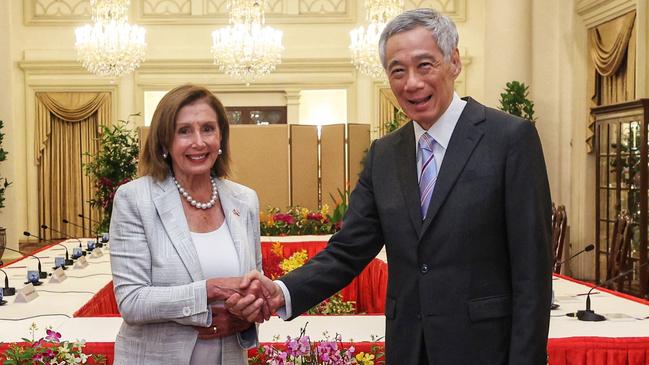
(455, 9)
(186, 12)
(596, 12)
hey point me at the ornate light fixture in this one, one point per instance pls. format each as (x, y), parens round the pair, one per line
(110, 46)
(365, 42)
(247, 49)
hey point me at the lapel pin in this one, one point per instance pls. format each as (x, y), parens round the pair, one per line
(235, 211)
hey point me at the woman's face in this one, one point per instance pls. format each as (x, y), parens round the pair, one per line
(196, 142)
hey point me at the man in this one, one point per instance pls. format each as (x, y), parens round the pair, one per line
(460, 198)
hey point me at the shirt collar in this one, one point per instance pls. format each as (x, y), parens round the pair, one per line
(443, 128)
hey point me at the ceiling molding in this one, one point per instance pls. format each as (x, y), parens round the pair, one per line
(596, 12)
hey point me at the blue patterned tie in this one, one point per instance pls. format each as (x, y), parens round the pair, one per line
(428, 172)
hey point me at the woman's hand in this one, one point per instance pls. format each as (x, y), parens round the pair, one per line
(223, 324)
(252, 291)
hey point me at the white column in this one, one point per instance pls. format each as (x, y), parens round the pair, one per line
(292, 106)
(10, 214)
(507, 46)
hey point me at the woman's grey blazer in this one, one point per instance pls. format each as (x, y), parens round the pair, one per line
(159, 284)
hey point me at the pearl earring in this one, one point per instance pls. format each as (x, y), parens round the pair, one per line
(165, 155)
(220, 151)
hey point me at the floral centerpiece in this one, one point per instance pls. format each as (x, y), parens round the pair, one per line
(302, 350)
(276, 265)
(48, 350)
(296, 221)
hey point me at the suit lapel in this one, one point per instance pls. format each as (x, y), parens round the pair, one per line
(235, 212)
(406, 161)
(170, 209)
(463, 141)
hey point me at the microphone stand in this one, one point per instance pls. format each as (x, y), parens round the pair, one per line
(586, 249)
(589, 315)
(44, 226)
(68, 262)
(97, 235)
(7, 291)
(42, 274)
(88, 218)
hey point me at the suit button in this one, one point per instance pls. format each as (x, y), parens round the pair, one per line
(419, 316)
(424, 268)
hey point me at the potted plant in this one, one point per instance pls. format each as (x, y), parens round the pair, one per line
(4, 184)
(515, 102)
(115, 164)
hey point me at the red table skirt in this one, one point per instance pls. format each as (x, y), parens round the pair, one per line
(599, 351)
(368, 290)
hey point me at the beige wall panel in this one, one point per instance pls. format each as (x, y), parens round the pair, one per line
(260, 161)
(304, 166)
(332, 161)
(358, 136)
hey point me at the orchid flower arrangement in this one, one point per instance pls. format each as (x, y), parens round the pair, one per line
(49, 350)
(301, 350)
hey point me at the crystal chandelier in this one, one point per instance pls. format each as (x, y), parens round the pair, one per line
(110, 46)
(365, 42)
(247, 49)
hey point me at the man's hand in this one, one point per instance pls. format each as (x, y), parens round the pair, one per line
(254, 309)
(223, 324)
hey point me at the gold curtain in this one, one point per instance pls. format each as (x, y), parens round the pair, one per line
(387, 106)
(67, 126)
(612, 48)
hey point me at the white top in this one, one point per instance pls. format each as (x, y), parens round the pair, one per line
(216, 253)
(218, 258)
(441, 131)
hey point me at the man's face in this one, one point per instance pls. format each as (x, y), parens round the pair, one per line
(419, 76)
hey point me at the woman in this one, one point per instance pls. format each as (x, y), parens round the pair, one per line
(180, 223)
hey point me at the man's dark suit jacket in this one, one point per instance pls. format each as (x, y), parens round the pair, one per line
(473, 280)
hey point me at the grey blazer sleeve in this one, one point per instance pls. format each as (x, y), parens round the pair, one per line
(138, 300)
(250, 338)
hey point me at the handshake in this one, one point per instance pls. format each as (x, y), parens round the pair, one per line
(248, 299)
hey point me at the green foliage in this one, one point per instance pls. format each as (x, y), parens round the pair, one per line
(515, 102)
(337, 215)
(115, 164)
(399, 117)
(334, 305)
(4, 183)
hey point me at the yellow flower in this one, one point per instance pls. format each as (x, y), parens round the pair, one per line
(296, 260)
(365, 359)
(277, 249)
(325, 209)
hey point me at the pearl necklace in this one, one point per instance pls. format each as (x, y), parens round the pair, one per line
(195, 203)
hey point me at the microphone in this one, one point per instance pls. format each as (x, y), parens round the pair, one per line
(7, 291)
(589, 315)
(586, 249)
(45, 226)
(97, 235)
(88, 218)
(67, 255)
(42, 274)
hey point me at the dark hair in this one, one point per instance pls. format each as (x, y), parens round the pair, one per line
(441, 28)
(163, 127)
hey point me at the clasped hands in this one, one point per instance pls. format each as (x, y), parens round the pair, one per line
(248, 299)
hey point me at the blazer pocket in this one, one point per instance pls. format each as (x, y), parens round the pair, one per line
(390, 308)
(481, 309)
